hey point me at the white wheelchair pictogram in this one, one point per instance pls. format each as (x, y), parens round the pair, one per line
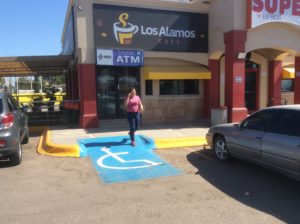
(116, 156)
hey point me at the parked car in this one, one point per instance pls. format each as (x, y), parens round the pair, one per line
(13, 128)
(269, 137)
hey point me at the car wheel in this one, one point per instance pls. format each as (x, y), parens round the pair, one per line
(26, 136)
(220, 148)
(16, 157)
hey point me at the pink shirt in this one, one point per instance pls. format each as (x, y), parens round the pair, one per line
(133, 104)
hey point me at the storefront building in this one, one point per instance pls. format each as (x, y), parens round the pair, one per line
(253, 54)
(158, 47)
(185, 58)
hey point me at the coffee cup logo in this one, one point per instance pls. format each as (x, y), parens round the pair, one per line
(123, 30)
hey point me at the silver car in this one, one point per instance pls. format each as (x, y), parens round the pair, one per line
(269, 137)
(13, 128)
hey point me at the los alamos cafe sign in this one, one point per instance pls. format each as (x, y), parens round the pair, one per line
(123, 27)
(265, 11)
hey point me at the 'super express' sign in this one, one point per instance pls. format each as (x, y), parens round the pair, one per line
(264, 11)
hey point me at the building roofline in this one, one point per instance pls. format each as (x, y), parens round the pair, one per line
(71, 3)
(36, 58)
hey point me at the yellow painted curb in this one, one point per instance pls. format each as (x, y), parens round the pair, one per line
(46, 147)
(165, 143)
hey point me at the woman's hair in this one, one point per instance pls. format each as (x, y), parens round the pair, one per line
(130, 89)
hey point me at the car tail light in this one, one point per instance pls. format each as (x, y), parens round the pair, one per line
(2, 143)
(7, 120)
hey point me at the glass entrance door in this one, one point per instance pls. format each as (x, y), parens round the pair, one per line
(113, 84)
(251, 86)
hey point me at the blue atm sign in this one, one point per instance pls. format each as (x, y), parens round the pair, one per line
(134, 58)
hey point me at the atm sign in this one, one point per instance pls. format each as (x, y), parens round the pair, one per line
(134, 58)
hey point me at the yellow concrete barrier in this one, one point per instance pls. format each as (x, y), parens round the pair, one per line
(46, 147)
(179, 142)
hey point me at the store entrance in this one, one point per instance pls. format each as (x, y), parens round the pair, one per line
(251, 86)
(113, 84)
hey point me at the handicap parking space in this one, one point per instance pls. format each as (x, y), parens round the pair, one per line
(116, 160)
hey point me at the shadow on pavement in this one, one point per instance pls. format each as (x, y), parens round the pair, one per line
(257, 187)
(107, 144)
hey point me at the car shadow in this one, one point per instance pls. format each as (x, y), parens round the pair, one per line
(254, 186)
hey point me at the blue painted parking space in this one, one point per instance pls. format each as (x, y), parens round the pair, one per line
(117, 161)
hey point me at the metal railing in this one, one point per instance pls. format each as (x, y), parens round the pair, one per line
(38, 98)
(52, 112)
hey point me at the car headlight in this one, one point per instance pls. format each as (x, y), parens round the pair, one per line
(210, 131)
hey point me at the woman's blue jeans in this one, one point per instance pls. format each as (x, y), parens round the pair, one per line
(134, 121)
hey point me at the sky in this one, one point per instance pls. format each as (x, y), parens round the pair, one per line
(31, 27)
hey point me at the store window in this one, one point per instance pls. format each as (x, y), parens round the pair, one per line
(287, 85)
(32, 84)
(287, 123)
(39, 93)
(178, 87)
(149, 88)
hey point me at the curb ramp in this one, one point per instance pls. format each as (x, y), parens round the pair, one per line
(46, 147)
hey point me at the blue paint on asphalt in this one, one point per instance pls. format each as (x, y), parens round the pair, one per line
(117, 161)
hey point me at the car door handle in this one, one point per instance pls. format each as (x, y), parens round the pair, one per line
(258, 137)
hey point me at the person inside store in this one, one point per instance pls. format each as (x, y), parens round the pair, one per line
(134, 108)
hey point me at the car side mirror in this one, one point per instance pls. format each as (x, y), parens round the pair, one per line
(241, 124)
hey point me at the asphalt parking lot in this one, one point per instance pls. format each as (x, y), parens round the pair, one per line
(47, 189)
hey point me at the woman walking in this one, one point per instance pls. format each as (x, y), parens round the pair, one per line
(134, 107)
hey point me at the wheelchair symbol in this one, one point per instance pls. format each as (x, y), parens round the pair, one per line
(116, 156)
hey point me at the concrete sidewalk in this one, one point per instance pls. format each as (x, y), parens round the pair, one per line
(62, 140)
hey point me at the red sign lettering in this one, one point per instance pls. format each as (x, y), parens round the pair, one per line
(296, 8)
(284, 5)
(272, 6)
(258, 5)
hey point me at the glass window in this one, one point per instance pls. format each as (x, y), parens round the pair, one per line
(287, 85)
(31, 84)
(13, 100)
(1, 105)
(260, 120)
(12, 103)
(10, 107)
(149, 89)
(287, 124)
(178, 87)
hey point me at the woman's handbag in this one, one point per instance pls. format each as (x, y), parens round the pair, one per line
(141, 108)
